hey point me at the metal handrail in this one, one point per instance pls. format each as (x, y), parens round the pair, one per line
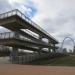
(9, 35)
(5, 35)
(20, 14)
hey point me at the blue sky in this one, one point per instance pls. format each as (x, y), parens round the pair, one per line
(57, 17)
(32, 9)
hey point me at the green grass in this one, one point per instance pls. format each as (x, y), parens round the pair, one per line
(60, 61)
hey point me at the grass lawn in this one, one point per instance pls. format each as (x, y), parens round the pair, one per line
(60, 61)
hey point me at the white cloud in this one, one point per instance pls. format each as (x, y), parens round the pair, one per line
(59, 14)
(18, 4)
(57, 17)
(16, 1)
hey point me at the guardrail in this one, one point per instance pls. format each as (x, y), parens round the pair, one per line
(6, 35)
(20, 14)
(26, 58)
(9, 35)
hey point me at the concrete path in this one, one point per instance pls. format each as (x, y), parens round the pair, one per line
(10, 69)
(4, 60)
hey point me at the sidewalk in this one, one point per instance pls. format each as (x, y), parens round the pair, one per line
(10, 69)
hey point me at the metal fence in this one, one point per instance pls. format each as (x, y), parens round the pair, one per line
(25, 58)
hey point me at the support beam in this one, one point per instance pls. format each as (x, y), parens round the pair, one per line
(51, 44)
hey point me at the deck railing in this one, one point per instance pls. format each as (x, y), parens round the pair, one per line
(9, 35)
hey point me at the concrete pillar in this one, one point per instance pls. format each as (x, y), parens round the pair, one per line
(16, 35)
(40, 48)
(49, 47)
(14, 55)
(54, 48)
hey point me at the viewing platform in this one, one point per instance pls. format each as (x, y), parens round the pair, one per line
(16, 20)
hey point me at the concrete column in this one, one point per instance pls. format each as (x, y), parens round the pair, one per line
(40, 48)
(49, 47)
(54, 48)
(16, 35)
(14, 55)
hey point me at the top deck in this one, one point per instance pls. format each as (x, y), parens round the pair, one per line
(21, 15)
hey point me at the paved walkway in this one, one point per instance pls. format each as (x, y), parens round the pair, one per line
(4, 60)
(10, 69)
